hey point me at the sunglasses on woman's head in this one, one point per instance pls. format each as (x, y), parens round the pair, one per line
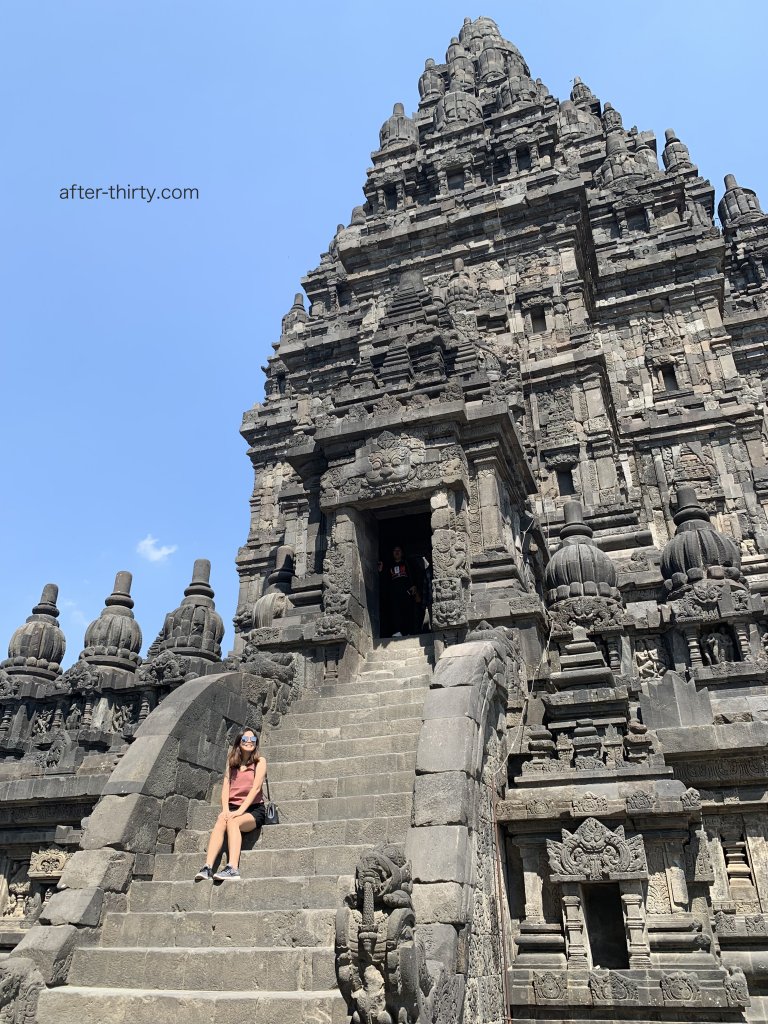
(249, 739)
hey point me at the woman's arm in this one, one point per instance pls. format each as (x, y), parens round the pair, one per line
(225, 791)
(258, 781)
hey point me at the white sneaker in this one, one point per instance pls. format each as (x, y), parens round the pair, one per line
(396, 634)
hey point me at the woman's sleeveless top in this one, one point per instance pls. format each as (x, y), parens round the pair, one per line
(241, 783)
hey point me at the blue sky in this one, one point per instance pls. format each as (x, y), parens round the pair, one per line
(133, 333)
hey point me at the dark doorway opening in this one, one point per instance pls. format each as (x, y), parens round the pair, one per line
(604, 916)
(405, 586)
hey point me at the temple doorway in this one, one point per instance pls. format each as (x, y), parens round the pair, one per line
(405, 580)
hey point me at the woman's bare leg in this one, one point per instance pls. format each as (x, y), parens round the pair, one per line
(235, 829)
(216, 841)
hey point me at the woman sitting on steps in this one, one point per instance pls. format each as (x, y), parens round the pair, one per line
(242, 806)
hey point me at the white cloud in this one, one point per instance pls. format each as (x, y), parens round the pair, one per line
(149, 549)
(74, 613)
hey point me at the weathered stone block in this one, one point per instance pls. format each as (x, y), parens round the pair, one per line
(149, 767)
(144, 866)
(445, 798)
(165, 837)
(174, 811)
(439, 853)
(74, 906)
(50, 948)
(106, 868)
(124, 822)
(441, 942)
(446, 744)
(451, 702)
(441, 903)
(192, 782)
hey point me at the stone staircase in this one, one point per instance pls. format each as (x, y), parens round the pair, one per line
(341, 767)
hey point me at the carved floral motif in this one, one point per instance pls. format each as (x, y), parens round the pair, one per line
(610, 987)
(736, 989)
(550, 985)
(589, 803)
(680, 987)
(48, 863)
(595, 852)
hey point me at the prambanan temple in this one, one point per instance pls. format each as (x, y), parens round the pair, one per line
(535, 361)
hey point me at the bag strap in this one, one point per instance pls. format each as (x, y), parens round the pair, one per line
(266, 783)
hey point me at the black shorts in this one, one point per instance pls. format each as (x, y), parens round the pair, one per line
(257, 810)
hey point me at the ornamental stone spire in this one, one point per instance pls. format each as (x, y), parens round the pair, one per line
(37, 648)
(114, 638)
(194, 629)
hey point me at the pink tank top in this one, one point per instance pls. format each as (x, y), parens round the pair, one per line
(241, 783)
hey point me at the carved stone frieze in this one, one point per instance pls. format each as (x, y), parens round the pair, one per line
(610, 987)
(736, 988)
(639, 801)
(588, 803)
(48, 863)
(550, 986)
(393, 464)
(594, 852)
(680, 987)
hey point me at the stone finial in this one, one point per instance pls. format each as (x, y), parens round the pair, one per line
(195, 628)
(274, 602)
(398, 130)
(575, 120)
(115, 638)
(619, 162)
(461, 69)
(37, 648)
(455, 50)
(431, 85)
(675, 156)
(475, 33)
(645, 156)
(739, 205)
(611, 119)
(461, 290)
(296, 316)
(581, 94)
(490, 62)
(697, 551)
(579, 568)
(200, 585)
(457, 107)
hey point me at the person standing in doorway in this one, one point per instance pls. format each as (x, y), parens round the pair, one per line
(400, 590)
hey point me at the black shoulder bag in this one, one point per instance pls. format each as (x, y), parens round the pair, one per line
(271, 809)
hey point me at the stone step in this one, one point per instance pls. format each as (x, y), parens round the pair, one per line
(423, 643)
(374, 783)
(220, 928)
(394, 698)
(313, 892)
(334, 832)
(287, 733)
(288, 753)
(392, 684)
(299, 717)
(202, 816)
(236, 968)
(83, 1005)
(337, 767)
(323, 860)
(395, 668)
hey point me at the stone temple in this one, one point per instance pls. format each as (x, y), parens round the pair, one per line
(534, 362)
